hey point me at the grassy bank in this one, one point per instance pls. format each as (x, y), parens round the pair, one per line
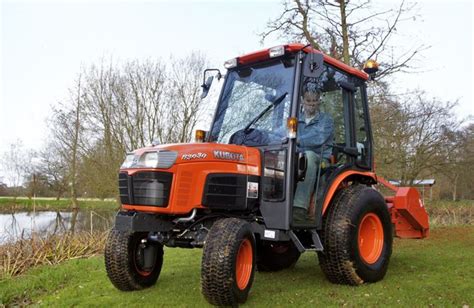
(19, 256)
(437, 271)
(8, 205)
(446, 213)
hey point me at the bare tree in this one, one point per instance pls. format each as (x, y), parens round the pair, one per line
(145, 83)
(460, 155)
(124, 109)
(116, 108)
(34, 179)
(68, 134)
(410, 133)
(54, 166)
(352, 31)
(125, 103)
(13, 164)
(183, 96)
(98, 172)
(134, 104)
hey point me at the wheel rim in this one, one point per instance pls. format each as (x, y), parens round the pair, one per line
(244, 263)
(138, 259)
(370, 238)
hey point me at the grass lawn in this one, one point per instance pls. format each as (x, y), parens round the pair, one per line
(437, 271)
(9, 205)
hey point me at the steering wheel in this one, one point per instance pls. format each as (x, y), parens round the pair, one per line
(251, 137)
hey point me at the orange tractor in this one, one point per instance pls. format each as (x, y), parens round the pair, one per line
(232, 192)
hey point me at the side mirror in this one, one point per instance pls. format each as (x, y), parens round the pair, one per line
(302, 166)
(313, 65)
(206, 85)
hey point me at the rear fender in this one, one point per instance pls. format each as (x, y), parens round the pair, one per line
(344, 179)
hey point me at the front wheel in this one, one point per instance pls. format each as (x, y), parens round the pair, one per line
(131, 262)
(228, 262)
(357, 237)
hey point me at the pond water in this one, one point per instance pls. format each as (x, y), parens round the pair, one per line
(19, 225)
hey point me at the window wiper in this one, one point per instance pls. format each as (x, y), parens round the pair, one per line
(261, 114)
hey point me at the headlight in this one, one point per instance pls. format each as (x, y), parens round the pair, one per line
(153, 159)
(149, 160)
(166, 159)
(128, 161)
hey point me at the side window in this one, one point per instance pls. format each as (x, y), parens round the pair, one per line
(361, 130)
(331, 103)
(328, 101)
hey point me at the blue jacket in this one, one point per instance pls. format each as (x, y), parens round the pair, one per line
(318, 132)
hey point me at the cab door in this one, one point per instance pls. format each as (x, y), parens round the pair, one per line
(335, 102)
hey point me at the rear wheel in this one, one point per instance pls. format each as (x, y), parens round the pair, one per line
(357, 237)
(228, 262)
(275, 256)
(131, 262)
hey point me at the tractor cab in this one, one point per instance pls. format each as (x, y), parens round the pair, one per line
(261, 105)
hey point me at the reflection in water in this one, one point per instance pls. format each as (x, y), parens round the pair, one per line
(23, 224)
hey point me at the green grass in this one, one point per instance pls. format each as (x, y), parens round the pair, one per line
(8, 204)
(436, 271)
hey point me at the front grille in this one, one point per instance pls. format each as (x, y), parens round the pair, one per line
(123, 188)
(145, 188)
(225, 191)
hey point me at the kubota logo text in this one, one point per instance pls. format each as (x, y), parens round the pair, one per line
(228, 155)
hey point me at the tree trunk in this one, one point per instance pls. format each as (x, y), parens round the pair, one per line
(75, 145)
(73, 220)
(455, 187)
(345, 35)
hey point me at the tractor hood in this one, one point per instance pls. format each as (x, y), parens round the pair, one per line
(186, 153)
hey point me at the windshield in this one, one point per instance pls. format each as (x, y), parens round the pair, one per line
(255, 104)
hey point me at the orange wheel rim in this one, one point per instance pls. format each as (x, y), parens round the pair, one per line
(244, 263)
(143, 273)
(370, 238)
(140, 270)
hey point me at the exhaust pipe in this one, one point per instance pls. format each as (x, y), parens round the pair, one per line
(186, 219)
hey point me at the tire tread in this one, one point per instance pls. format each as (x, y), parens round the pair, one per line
(119, 265)
(335, 261)
(217, 262)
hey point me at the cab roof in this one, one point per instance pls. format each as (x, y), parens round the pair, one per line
(262, 55)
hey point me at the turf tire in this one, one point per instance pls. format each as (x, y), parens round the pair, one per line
(341, 261)
(121, 261)
(219, 281)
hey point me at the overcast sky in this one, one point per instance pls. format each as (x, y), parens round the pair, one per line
(45, 44)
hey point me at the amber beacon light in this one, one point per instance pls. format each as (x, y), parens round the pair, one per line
(200, 135)
(292, 125)
(371, 67)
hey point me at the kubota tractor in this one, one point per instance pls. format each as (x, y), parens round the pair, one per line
(232, 191)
